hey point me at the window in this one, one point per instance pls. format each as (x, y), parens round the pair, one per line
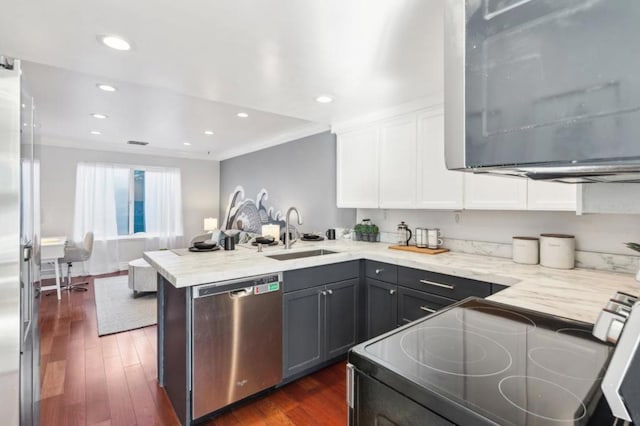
(129, 195)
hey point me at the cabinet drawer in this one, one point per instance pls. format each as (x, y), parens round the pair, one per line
(413, 304)
(299, 279)
(382, 271)
(442, 285)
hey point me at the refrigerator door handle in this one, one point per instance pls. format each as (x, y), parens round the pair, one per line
(26, 252)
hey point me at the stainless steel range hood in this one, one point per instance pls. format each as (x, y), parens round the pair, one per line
(549, 90)
(607, 172)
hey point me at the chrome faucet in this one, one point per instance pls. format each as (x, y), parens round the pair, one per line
(287, 238)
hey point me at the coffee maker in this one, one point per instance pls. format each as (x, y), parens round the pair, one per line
(404, 234)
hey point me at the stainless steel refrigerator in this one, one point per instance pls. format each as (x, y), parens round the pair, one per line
(19, 251)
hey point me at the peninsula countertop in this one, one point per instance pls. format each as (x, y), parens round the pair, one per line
(578, 294)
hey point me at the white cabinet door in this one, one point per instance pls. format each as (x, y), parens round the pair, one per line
(398, 162)
(438, 188)
(485, 192)
(551, 196)
(357, 168)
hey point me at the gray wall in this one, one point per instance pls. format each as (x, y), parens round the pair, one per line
(58, 186)
(300, 173)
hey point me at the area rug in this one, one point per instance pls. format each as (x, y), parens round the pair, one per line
(116, 308)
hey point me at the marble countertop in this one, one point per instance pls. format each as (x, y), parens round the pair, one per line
(578, 294)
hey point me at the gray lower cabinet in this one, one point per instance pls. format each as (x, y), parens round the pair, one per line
(397, 295)
(320, 323)
(382, 307)
(303, 328)
(340, 318)
(414, 304)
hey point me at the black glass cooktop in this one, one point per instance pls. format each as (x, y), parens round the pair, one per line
(508, 365)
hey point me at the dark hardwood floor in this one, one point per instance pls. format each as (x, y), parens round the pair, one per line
(111, 380)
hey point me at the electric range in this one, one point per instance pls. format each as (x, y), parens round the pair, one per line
(480, 362)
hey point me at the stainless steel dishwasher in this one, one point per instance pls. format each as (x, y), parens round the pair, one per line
(237, 340)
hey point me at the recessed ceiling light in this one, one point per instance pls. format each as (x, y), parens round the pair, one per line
(208, 132)
(99, 116)
(114, 42)
(242, 114)
(186, 144)
(107, 87)
(95, 132)
(324, 99)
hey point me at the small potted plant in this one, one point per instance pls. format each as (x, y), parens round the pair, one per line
(366, 230)
(373, 236)
(357, 230)
(635, 247)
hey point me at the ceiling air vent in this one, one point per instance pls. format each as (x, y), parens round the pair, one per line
(141, 143)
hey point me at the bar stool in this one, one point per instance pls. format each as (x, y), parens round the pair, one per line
(77, 254)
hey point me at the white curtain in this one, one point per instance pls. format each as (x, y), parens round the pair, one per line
(95, 210)
(163, 209)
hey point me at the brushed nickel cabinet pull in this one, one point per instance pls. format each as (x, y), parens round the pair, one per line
(379, 271)
(447, 286)
(392, 292)
(424, 308)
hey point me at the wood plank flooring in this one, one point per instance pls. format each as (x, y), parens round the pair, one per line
(111, 380)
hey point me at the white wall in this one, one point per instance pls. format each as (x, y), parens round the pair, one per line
(200, 190)
(594, 232)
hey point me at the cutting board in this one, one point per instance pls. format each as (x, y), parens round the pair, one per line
(415, 249)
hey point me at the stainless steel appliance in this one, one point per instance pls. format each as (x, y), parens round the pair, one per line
(237, 341)
(619, 323)
(543, 89)
(19, 251)
(480, 363)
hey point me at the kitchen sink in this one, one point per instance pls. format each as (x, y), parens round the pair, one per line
(301, 254)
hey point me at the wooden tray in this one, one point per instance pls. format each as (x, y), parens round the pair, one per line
(415, 249)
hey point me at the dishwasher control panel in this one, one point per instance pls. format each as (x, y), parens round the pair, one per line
(260, 285)
(266, 288)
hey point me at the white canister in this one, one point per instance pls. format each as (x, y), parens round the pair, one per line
(558, 251)
(525, 250)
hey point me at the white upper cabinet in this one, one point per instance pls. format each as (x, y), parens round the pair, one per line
(551, 196)
(438, 187)
(485, 192)
(398, 163)
(357, 168)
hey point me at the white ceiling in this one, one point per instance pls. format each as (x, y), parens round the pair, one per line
(195, 64)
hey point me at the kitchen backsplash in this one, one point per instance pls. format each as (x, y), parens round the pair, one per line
(473, 231)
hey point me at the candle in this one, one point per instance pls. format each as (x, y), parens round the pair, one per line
(271, 231)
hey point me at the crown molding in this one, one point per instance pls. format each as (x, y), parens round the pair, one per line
(371, 118)
(289, 136)
(52, 140)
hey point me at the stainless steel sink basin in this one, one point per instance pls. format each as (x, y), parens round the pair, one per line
(301, 254)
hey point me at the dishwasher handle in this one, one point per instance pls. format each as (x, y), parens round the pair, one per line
(242, 292)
